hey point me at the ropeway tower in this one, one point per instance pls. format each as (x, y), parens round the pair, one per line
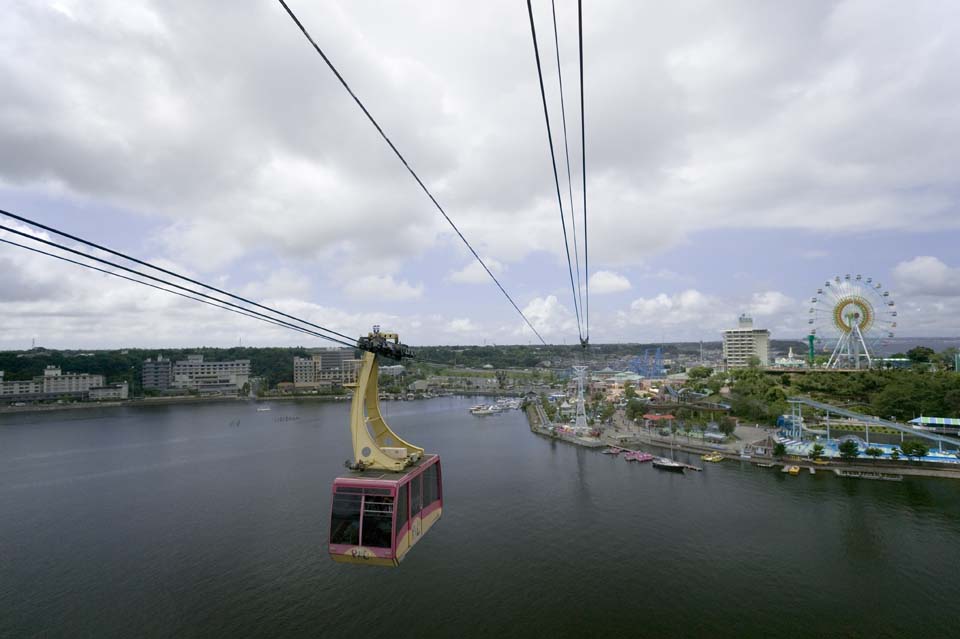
(581, 420)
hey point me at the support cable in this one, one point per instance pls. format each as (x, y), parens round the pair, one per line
(566, 148)
(163, 270)
(268, 320)
(583, 152)
(166, 290)
(407, 165)
(556, 178)
(163, 281)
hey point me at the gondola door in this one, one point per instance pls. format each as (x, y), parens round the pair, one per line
(402, 543)
(416, 506)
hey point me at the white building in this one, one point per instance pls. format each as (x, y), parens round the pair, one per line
(53, 384)
(110, 392)
(56, 381)
(195, 374)
(325, 368)
(790, 361)
(745, 342)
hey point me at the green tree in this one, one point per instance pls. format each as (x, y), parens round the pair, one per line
(629, 392)
(921, 354)
(817, 451)
(849, 449)
(727, 425)
(549, 408)
(947, 359)
(895, 454)
(779, 450)
(874, 452)
(606, 412)
(914, 448)
(699, 374)
(635, 409)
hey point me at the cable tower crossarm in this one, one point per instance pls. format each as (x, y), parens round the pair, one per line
(566, 149)
(162, 270)
(162, 281)
(166, 290)
(553, 161)
(406, 165)
(583, 153)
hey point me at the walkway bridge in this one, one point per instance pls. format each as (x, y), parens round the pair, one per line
(868, 420)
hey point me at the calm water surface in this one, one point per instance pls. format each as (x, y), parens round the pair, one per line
(211, 521)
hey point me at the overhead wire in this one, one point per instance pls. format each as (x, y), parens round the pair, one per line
(174, 285)
(583, 152)
(163, 270)
(165, 290)
(553, 158)
(403, 160)
(251, 315)
(566, 148)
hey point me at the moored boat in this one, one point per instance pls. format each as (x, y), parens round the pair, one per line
(668, 464)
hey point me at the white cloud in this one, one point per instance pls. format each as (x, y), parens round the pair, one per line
(462, 325)
(690, 307)
(552, 319)
(281, 283)
(603, 282)
(771, 303)
(383, 287)
(747, 129)
(927, 275)
(473, 272)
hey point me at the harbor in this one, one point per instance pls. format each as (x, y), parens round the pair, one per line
(752, 445)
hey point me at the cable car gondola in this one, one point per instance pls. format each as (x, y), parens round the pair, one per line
(393, 492)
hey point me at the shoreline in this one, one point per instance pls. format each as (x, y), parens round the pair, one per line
(158, 401)
(641, 438)
(188, 399)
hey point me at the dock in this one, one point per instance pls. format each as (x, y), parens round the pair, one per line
(865, 474)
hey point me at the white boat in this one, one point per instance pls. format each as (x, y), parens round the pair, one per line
(482, 409)
(263, 409)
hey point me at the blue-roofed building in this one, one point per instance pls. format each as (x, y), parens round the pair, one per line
(940, 424)
(936, 421)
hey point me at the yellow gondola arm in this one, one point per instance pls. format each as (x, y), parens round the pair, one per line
(375, 445)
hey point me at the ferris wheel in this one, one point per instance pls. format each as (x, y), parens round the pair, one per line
(851, 316)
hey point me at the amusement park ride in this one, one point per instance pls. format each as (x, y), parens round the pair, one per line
(392, 494)
(854, 315)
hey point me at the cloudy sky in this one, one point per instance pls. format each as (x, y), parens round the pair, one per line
(739, 154)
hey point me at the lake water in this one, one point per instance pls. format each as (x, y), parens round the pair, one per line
(211, 521)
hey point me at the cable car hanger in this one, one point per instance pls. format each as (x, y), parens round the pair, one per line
(375, 445)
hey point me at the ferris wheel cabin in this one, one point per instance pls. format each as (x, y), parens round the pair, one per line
(376, 517)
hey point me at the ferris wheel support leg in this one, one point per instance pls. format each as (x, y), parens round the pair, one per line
(834, 360)
(866, 351)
